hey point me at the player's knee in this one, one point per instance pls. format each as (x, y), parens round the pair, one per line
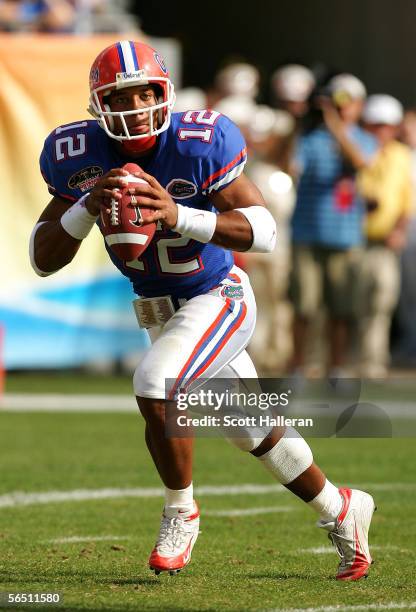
(246, 444)
(156, 373)
(152, 378)
(246, 438)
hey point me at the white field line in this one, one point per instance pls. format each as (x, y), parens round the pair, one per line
(385, 486)
(249, 511)
(405, 605)
(75, 539)
(56, 402)
(325, 550)
(20, 498)
(214, 513)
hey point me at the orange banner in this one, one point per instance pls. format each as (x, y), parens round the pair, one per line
(83, 312)
(44, 84)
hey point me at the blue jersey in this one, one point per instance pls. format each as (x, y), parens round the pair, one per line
(201, 152)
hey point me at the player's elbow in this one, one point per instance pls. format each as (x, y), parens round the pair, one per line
(34, 256)
(38, 271)
(263, 227)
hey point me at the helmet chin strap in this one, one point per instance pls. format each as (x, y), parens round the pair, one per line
(140, 145)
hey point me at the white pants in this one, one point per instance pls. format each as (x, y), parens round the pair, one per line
(205, 338)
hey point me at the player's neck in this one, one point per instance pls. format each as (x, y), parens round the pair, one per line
(132, 151)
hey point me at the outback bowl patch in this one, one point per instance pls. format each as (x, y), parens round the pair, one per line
(181, 189)
(86, 178)
(233, 292)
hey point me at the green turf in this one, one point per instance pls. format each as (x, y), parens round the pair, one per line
(67, 382)
(239, 563)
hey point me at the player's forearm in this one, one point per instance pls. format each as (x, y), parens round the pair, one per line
(57, 236)
(52, 247)
(251, 228)
(233, 231)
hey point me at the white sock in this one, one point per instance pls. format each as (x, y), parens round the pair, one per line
(180, 498)
(328, 503)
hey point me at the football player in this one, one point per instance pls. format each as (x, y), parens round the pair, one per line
(206, 207)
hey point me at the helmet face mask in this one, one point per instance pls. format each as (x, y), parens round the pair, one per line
(127, 64)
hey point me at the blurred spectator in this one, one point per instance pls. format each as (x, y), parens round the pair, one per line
(291, 87)
(386, 186)
(239, 108)
(237, 79)
(271, 344)
(37, 15)
(408, 136)
(405, 351)
(190, 98)
(105, 16)
(327, 221)
(78, 16)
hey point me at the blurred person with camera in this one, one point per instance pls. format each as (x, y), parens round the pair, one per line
(386, 185)
(327, 230)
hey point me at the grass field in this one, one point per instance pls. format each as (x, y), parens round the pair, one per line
(270, 559)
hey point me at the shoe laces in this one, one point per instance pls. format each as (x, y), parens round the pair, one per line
(173, 534)
(338, 540)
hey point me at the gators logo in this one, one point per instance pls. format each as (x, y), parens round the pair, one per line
(180, 189)
(233, 292)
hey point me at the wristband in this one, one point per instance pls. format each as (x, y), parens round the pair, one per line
(77, 221)
(194, 223)
(263, 227)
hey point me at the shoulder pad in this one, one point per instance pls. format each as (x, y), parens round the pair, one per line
(65, 162)
(201, 132)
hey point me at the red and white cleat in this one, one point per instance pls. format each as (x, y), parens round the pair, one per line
(349, 534)
(177, 536)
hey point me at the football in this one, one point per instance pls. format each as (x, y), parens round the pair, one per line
(122, 225)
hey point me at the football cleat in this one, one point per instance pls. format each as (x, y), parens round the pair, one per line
(349, 534)
(178, 533)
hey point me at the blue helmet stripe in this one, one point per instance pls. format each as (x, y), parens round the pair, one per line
(133, 53)
(121, 57)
